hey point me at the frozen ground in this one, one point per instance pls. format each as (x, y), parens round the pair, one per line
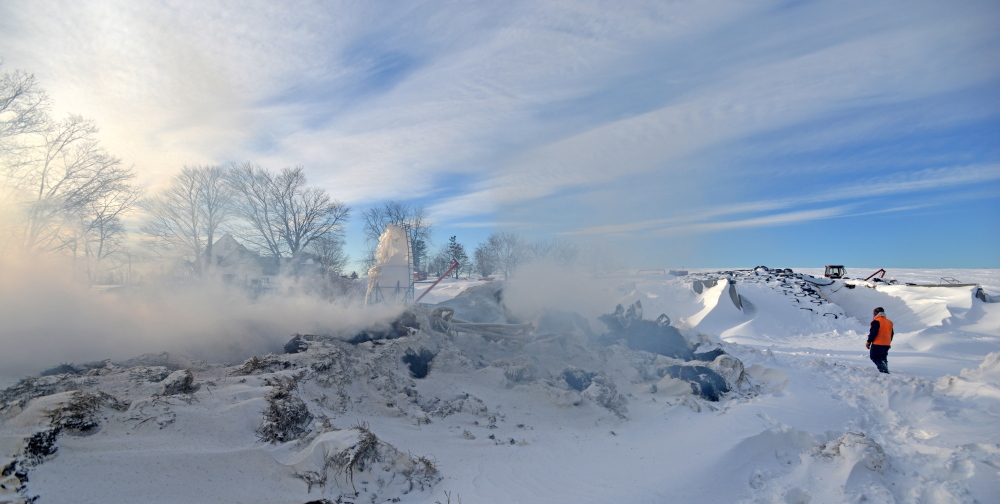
(807, 418)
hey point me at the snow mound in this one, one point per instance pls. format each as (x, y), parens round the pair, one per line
(355, 460)
(780, 400)
(849, 468)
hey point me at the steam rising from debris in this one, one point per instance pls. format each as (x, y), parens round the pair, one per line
(542, 285)
(48, 319)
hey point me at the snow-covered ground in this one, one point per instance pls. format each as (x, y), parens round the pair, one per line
(567, 414)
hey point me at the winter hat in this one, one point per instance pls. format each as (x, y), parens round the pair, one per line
(878, 311)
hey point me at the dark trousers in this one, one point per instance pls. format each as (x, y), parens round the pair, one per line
(880, 356)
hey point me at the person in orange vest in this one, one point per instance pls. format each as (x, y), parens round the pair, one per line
(879, 339)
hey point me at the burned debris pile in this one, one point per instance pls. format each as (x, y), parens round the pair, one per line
(659, 337)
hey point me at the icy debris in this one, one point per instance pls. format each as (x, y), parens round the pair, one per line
(704, 381)
(658, 336)
(179, 382)
(79, 414)
(287, 416)
(168, 360)
(406, 324)
(463, 403)
(800, 289)
(70, 368)
(390, 280)
(730, 369)
(75, 413)
(355, 463)
(297, 344)
(602, 391)
(518, 369)
(419, 362)
(153, 374)
(720, 374)
(854, 448)
(18, 395)
(577, 378)
(264, 364)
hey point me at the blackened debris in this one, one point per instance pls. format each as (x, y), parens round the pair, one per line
(705, 382)
(41, 444)
(405, 322)
(710, 355)
(404, 325)
(71, 368)
(577, 378)
(658, 336)
(296, 344)
(419, 362)
(64, 368)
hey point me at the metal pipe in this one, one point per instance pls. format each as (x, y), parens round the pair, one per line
(454, 264)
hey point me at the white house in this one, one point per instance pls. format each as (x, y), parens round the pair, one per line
(237, 265)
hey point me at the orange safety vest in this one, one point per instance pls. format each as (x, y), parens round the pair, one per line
(884, 336)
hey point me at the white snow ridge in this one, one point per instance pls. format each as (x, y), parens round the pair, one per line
(752, 386)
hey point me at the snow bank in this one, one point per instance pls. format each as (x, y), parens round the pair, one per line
(579, 412)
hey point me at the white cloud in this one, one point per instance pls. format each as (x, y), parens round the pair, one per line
(870, 190)
(781, 219)
(523, 101)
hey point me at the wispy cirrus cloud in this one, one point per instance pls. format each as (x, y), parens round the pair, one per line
(867, 190)
(587, 118)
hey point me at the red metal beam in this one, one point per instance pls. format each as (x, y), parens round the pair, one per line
(882, 271)
(454, 264)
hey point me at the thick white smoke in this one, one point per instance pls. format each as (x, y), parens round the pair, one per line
(47, 319)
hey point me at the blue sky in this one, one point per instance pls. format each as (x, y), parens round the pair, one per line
(698, 134)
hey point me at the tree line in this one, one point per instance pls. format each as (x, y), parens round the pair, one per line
(502, 253)
(66, 194)
(62, 190)
(275, 213)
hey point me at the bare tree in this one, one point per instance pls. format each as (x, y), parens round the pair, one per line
(256, 206)
(557, 250)
(439, 262)
(102, 230)
(283, 215)
(329, 252)
(71, 195)
(505, 251)
(185, 217)
(411, 218)
(306, 213)
(484, 261)
(66, 177)
(23, 107)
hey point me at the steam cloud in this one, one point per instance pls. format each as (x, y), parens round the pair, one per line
(47, 319)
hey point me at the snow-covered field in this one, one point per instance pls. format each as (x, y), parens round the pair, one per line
(569, 413)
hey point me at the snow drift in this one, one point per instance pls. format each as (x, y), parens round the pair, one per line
(748, 397)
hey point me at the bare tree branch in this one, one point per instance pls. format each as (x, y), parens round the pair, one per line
(413, 219)
(187, 215)
(283, 214)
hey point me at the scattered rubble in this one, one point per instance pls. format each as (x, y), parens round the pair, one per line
(179, 382)
(287, 416)
(380, 372)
